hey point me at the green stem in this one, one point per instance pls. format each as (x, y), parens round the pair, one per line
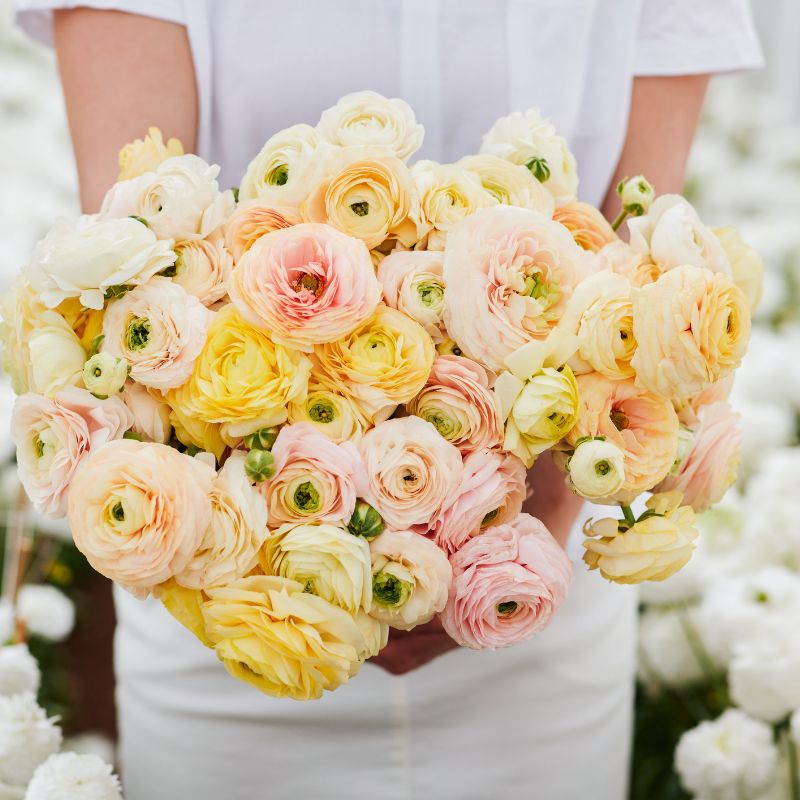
(628, 514)
(620, 218)
(794, 774)
(696, 645)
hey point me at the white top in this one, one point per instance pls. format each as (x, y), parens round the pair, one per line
(262, 65)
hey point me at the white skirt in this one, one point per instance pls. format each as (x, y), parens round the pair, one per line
(547, 719)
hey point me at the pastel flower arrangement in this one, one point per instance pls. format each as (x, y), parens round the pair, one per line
(302, 412)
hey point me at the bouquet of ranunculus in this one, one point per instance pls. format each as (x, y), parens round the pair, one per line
(301, 412)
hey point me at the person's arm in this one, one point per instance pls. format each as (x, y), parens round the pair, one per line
(121, 73)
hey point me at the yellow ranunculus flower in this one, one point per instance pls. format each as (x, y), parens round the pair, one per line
(272, 634)
(86, 322)
(746, 265)
(652, 549)
(194, 432)
(383, 363)
(186, 605)
(241, 378)
(144, 155)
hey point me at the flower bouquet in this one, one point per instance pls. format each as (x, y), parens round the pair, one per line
(301, 412)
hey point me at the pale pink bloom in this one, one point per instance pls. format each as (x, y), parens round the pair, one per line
(150, 414)
(718, 392)
(491, 492)
(139, 510)
(509, 274)
(160, 329)
(411, 472)
(315, 478)
(254, 219)
(53, 436)
(458, 402)
(306, 284)
(709, 468)
(507, 584)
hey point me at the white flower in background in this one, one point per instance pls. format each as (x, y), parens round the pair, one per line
(27, 737)
(764, 673)
(730, 758)
(794, 726)
(70, 776)
(687, 584)
(19, 671)
(666, 652)
(596, 469)
(97, 744)
(46, 612)
(769, 354)
(765, 427)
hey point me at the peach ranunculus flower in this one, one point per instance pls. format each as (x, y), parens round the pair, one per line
(717, 392)
(507, 584)
(242, 378)
(747, 268)
(643, 425)
(458, 402)
(139, 510)
(709, 468)
(622, 259)
(411, 472)
(306, 285)
(368, 194)
(54, 435)
(314, 478)
(659, 544)
(691, 327)
(589, 228)
(326, 559)
(410, 579)
(203, 268)
(383, 363)
(269, 632)
(673, 235)
(412, 282)
(509, 274)
(144, 155)
(159, 328)
(150, 412)
(253, 219)
(491, 492)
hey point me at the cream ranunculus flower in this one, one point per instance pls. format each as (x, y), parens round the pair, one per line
(368, 195)
(527, 138)
(238, 529)
(691, 328)
(747, 268)
(447, 194)
(144, 155)
(254, 219)
(105, 374)
(383, 363)
(96, 255)
(510, 184)
(596, 469)
(375, 633)
(179, 200)
(271, 633)
(369, 118)
(203, 267)
(589, 228)
(410, 579)
(327, 560)
(652, 549)
(241, 377)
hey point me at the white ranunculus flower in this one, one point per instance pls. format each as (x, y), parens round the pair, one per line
(86, 260)
(375, 633)
(27, 737)
(19, 671)
(730, 757)
(56, 356)
(72, 776)
(636, 195)
(104, 375)
(368, 118)
(180, 200)
(46, 611)
(596, 469)
(666, 655)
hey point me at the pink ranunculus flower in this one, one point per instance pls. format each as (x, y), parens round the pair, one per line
(508, 275)
(160, 329)
(315, 478)
(411, 472)
(306, 284)
(254, 219)
(491, 492)
(507, 584)
(53, 436)
(458, 402)
(708, 470)
(139, 510)
(150, 413)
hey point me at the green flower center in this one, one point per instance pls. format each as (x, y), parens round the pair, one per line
(389, 591)
(137, 333)
(446, 426)
(539, 169)
(430, 293)
(490, 517)
(360, 209)
(602, 468)
(504, 609)
(306, 498)
(279, 175)
(322, 412)
(620, 420)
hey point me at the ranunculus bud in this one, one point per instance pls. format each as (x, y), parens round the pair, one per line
(262, 439)
(636, 194)
(596, 469)
(366, 521)
(259, 465)
(105, 375)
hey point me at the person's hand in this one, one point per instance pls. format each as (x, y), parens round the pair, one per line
(409, 650)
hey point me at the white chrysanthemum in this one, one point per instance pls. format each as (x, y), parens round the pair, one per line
(732, 757)
(19, 671)
(27, 737)
(46, 612)
(666, 653)
(70, 776)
